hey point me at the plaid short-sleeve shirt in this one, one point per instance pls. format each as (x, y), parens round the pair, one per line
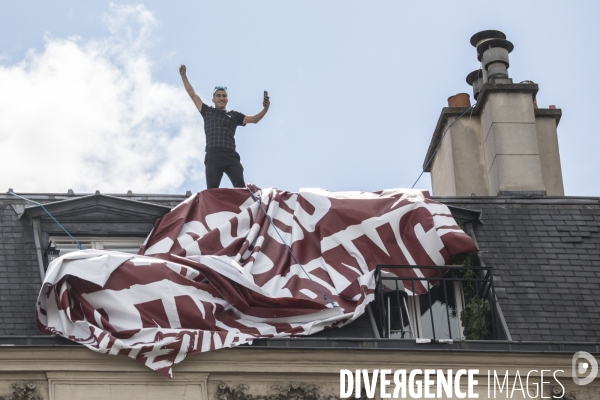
(219, 127)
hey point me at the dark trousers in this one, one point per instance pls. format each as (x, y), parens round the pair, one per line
(220, 160)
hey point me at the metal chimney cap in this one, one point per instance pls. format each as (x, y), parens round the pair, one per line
(473, 76)
(490, 34)
(505, 44)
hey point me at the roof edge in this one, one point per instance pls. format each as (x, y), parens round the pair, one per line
(38, 210)
(570, 200)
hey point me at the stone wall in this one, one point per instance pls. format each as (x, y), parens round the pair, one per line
(254, 374)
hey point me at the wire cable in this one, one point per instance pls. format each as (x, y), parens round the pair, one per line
(51, 216)
(440, 143)
(289, 248)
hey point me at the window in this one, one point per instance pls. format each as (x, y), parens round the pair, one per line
(437, 311)
(123, 244)
(98, 221)
(459, 303)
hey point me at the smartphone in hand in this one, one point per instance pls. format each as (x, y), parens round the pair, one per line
(266, 94)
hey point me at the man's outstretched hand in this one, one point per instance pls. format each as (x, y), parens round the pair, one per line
(253, 119)
(189, 89)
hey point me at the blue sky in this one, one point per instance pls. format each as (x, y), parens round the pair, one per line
(91, 98)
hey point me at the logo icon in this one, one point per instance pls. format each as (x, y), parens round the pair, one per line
(580, 367)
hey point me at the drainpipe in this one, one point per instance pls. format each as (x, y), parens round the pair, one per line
(38, 247)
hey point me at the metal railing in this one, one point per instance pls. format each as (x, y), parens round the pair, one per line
(463, 296)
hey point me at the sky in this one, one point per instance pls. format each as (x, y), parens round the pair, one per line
(91, 97)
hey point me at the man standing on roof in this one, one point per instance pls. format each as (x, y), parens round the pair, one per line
(219, 128)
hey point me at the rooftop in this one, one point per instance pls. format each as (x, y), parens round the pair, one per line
(544, 251)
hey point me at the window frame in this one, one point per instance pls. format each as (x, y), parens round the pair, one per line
(413, 311)
(112, 243)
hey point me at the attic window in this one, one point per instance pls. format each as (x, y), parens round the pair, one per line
(419, 316)
(459, 303)
(123, 244)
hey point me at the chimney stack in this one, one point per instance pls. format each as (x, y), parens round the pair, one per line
(504, 146)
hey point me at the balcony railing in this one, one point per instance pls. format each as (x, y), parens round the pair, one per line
(439, 303)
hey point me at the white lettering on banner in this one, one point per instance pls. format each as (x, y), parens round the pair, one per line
(431, 242)
(125, 314)
(443, 220)
(243, 226)
(195, 227)
(185, 342)
(159, 349)
(217, 219)
(321, 204)
(161, 247)
(286, 218)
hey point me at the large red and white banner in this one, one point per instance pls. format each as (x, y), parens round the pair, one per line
(214, 272)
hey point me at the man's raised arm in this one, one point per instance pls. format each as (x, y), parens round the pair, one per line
(253, 119)
(189, 88)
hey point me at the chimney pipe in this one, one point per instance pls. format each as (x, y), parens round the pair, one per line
(460, 100)
(492, 51)
(494, 58)
(482, 36)
(475, 79)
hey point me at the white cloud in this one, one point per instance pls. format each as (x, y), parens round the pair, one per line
(88, 115)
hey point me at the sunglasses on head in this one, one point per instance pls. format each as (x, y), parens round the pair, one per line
(219, 88)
